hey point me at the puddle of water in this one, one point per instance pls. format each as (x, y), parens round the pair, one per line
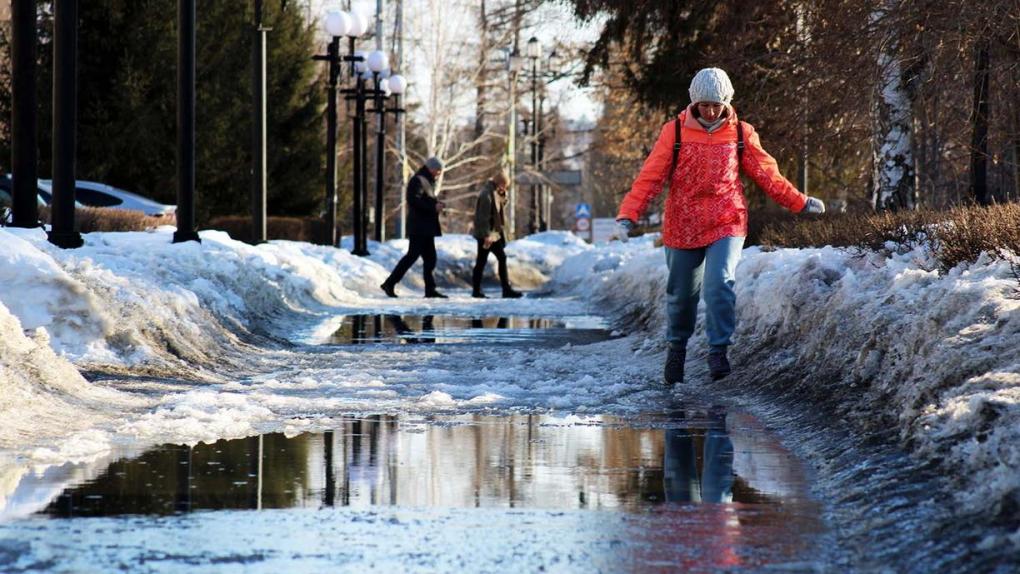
(446, 329)
(525, 461)
(700, 489)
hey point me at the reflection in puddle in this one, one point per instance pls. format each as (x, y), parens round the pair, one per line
(526, 461)
(689, 491)
(432, 329)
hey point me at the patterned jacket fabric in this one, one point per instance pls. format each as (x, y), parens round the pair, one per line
(706, 198)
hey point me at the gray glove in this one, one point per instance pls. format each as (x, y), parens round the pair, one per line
(623, 229)
(814, 205)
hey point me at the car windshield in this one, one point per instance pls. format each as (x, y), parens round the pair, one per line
(94, 198)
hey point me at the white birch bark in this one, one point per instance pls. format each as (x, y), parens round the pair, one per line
(893, 185)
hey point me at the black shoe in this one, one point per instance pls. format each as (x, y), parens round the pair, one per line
(435, 295)
(511, 294)
(478, 295)
(673, 372)
(718, 364)
(388, 290)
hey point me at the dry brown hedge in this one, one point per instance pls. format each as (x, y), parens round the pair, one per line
(89, 219)
(952, 237)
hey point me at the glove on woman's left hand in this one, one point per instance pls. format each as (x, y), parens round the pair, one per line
(814, 205)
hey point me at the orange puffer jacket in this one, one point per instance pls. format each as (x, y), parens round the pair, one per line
(706, 199)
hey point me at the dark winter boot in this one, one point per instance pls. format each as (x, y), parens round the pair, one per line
(509, 293)
(673, 372)
(388, 289)
(718, 364)
(435, 295)
(477, 294)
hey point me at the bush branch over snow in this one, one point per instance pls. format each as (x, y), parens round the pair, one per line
(883, 342)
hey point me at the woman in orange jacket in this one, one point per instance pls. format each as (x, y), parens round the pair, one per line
(705, 219)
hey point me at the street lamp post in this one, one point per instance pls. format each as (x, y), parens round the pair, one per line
(258, 131)
(186, 122)
(514, 65)
(65, 119)
(338, 24)
(386, 85)
(378, 64)
(358, 94)
(24, 116)
(374, 67)
(534, 53)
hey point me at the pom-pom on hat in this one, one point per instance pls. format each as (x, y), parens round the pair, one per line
(711, 85)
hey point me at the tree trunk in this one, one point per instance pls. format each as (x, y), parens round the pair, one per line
(979, 143)
(483, 76)
(893, 179)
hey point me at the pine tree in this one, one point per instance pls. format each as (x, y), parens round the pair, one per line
(127, 102)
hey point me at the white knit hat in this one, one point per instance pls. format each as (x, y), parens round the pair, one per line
(711, 85)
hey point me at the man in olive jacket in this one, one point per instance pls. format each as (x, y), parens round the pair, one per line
(490, 232)
(422, 228)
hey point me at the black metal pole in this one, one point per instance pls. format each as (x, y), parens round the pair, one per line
(331, 121)
(185, 122)
(258, 143)
(327, 445)
(533, 220)
(65, 118)
(543, 190)
(24, 144)
(363, 113)
(358, 215)
(380, 158)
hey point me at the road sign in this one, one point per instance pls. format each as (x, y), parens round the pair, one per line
(582, 211)
(603, 229)
(583, 224)
(563, 177)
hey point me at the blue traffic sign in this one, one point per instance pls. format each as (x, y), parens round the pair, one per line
(582, 211)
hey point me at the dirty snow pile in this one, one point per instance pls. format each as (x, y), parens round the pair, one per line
(137, 305)
(880, 340)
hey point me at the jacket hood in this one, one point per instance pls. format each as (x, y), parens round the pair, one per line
(424, 170)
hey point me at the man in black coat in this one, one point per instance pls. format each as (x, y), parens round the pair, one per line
(422, 228)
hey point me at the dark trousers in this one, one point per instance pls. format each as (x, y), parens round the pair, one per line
(483, 258)
(420, 246)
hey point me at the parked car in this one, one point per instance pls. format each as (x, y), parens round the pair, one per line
(92, 194)
(7, 194)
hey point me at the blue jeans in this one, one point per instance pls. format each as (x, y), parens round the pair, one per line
(711, 269)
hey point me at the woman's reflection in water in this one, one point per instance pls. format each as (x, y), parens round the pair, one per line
(688, 448)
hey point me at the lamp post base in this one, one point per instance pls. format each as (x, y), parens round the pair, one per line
(182, 236)
(66, 239)
(360, 252)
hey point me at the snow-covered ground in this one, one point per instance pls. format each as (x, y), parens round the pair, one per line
(193, 342)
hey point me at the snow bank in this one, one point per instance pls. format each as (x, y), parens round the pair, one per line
(139, 309)
(883, 342)
(42, 395)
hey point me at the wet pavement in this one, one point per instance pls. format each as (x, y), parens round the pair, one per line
(447, 329)
(692, 486)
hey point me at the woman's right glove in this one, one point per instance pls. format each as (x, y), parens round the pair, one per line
(623, 229)
(814, 205)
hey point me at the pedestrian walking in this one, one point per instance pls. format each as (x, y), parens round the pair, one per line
(701, 153)
(422, 229)
(491, 234)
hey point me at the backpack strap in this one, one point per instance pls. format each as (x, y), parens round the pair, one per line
(740, 143)
(676, 147)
